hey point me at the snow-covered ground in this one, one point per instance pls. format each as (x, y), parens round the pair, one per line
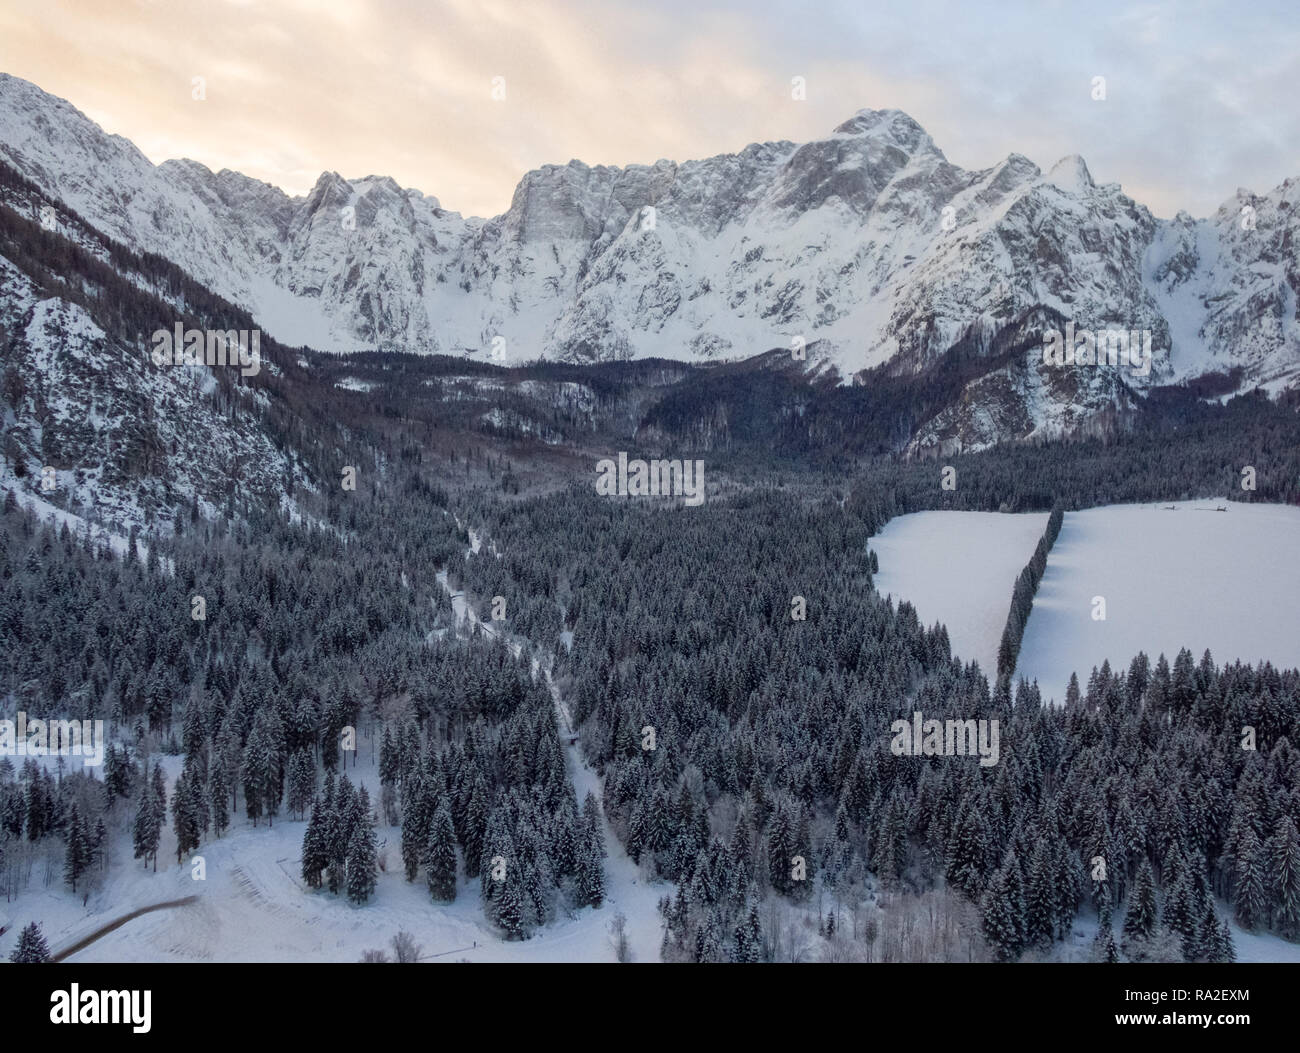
(353, 384)
(958, 568)
(1172, 575)
(254, 906)
(1249, 946)
(1188, 577)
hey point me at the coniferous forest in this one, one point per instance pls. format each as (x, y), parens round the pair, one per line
(730, 674)
(808, 551)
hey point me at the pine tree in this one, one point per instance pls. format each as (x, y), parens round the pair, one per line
(440, 855)
(564, 850)
(315, 851)
(100, 845)
(361, 863)
(337, 833)
(1207, 934)
(1177, 915)
(218, 788)
(1103, 946)
(780, 851)
(1227, 952)
(148, 824)
(591, 871)
(389, 759)
(158, 783)
(1283, 855)
(742, 850)
(1250, 898)
(77, 850)
(709, 944)
(415, 824)
(261, 773)
(476, 821)
(185, 822)
(1040, 899)
(966, 851)
(595, 823)
(1003, 915)
(509, 905)
(754, 929)
(1140, 921)
(31, 946)
(302, 781)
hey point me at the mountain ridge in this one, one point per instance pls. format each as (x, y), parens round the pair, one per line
(867, 245)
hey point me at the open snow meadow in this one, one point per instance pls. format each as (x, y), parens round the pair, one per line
(1172, 576)
(1176, 575)
(958, 568)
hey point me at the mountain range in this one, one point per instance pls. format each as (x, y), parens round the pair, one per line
(862, 254)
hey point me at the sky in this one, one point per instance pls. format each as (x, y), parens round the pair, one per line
(458, 98)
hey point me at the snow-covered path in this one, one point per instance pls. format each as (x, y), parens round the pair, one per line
(117, 923)
(626, 889)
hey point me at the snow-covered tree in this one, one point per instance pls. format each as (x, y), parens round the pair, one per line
(31, 946)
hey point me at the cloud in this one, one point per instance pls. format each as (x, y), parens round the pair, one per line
(1199, 99)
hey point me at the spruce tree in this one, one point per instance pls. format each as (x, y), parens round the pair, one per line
(100, 844)
(315, 852)
(476, 821)
(440, 855)
(1250, 896)
(1283, 856)
(1227, 952)
(1104, 949)
(218, 789)
(361, 863)
(1140, 921)
(1002, 919)
(415, 824)
(1177, 916)
(185, 822)
(31, 946)
(1040, 898)
(77, 850)
(148, 825)
(591, 872)
(302, 781)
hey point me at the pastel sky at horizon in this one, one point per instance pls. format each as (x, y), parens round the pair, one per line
(1200, 96)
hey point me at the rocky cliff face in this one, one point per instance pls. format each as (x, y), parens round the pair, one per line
(868, 243)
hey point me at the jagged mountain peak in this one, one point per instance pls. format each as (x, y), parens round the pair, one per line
(894, 126)
(867, 242)
(1071, 173)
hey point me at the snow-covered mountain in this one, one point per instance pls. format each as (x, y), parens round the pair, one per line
(868, 243)
(95, 431)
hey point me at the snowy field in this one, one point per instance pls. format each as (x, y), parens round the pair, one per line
(958, 568)
(1191, 577)
(253, 905)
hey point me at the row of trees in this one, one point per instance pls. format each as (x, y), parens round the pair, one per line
(1022, 595)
